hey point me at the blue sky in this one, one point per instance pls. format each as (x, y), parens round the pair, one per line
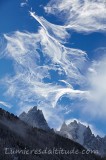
(53, 62)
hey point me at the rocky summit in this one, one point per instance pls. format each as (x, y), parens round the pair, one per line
(35, 118)
(82, 134)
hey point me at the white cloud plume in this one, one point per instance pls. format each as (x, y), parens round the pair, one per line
(53, 31)
(82, 16)
(97, 80)
(5, 104)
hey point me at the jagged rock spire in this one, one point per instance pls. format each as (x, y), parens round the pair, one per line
(35, 118)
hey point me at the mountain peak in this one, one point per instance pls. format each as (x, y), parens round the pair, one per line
(83, 135)
(88, 129)
(33, 109)
(64, 126)
(35, 118)
(73, 123)
(23, 114)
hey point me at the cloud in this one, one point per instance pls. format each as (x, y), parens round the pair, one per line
(69, 58)
(55, 32)
(82, 16)
(25, 50)
(5, 104)
(73, 94)
(97, 80)
(37, 57)
(24, 3)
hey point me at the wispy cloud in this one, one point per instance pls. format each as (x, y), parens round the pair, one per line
(82, 16)
(5, 104)
(53, 31)
(24, 3)
(35, 56)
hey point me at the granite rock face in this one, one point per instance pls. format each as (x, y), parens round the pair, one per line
(35, 118)
(84, 136)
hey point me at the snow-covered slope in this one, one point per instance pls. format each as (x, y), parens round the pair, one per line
(35, 118)
(83, 135)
